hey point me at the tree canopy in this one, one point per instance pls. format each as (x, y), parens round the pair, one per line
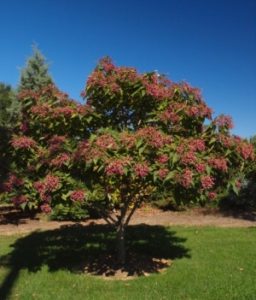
(137, 135)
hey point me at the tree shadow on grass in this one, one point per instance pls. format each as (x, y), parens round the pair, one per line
(91, 249)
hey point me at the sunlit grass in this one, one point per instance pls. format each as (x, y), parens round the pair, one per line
(207, 263)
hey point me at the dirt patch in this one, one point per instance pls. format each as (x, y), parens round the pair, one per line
(15, 222)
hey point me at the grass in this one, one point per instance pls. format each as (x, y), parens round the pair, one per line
(208, 263)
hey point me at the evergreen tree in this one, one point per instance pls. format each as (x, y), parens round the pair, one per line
(9, 106)
(9, 114)
(35, 74)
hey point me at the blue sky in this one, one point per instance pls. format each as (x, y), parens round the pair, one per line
(211, 44)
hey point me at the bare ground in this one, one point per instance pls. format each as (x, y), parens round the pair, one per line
(13, 222)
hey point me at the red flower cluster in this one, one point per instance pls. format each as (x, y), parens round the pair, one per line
(157, 91)
(193, 111)
(18, 200)
(55, 142)
(207, 182)
(77, 196)
(162, 173)
(212, 195)
(106, 141)
(226, 141)
(116, 166)
(246, 150)
(154, 137)
(162, 159)
(141, 169)
(46, 208)
(186, 178)
(12, 182)
(65, 111)
(200, 167)
(107, 65)
(224, 121)
(23, 142)
(169, 116)
(45, 187)
(51, 183)
(60, 160)
(188, 89)
(219, 164)
(127, 139)
(188, 158)
(24, 127)
(41, 110)
(197, 145)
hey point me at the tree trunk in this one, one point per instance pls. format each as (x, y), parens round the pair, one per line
(121, 253)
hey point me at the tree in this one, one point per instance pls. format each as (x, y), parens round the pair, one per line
(35, 74)
(9, 106)
(9, 114)
(137, 135)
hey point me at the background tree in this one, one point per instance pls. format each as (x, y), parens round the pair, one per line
(9, 115)
(35, 74)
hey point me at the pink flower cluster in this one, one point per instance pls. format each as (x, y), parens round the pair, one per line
(18, 200)
(188, 158)
(41, 110)
(23, 142)
(226, 141)
(169, 116)
(162, 173)
(207, 182)
(212, 195)
(51, 183)
(128, 139)
(141, 169)
(219, 164)
(246, 150)
(77, 196)
(60, 160)
(188, 89)
(55, 142)
(46, 186)
(154, 137)
(193, 111)
(46, 208)
(162, 159)
(200, 167)
(224, 121)
(186, 178)
(65, 111)
(106, 64)
(12, 182)
(106, 141)
(116, 167)
(156, 90)
(197, 145)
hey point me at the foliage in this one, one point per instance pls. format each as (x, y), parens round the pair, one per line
(9, 106)
(246, 198)
(9, 114)
(51, 127)
(138, 135)
(35, 74)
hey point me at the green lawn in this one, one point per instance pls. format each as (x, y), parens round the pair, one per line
(208, 263)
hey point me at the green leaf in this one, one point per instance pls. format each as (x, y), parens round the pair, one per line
(170, 176)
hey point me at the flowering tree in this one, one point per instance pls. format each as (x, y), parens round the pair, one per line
(150, 135)
(43, 145)
(137, 134)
